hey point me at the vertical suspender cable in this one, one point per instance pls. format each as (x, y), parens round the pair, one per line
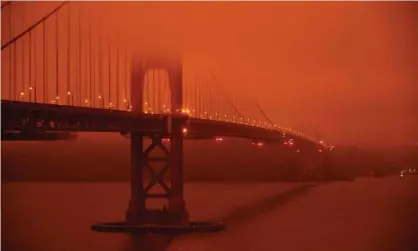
(35, 82)
(87, 74)
(69, 92)
(44, 61)
(79, 58)
(199, 97)
(110, 83)
(126, 97)
(11, 83)
(117, 75)
(213, 93)
(56, 59)
(158, 93)
(196, 104)
(35, 69)
(154, 94)
(100, 67)
(204, 98)
(22, 88)
(30, 66)
(148, 92)
(186, 102)
(15, 70)
(92, 99)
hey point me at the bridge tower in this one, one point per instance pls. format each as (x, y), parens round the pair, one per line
(176, 213)
(175, 218)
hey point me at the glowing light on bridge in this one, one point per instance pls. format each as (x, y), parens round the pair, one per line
(110, 105)
(289, 142)
(186, 111)
(185, 130)
(219, 139)
(258, 143)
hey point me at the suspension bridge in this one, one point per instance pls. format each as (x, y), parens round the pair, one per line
(65, 73)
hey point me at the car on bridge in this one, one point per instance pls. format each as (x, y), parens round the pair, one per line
(410, 171)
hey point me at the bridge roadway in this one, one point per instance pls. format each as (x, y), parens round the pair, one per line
(33, 117)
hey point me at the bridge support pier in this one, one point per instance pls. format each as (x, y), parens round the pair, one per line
(175, 218)
(141, 184)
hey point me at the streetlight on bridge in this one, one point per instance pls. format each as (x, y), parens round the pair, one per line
(70, 98)
(110, 105)
(32, 89)
(127, 106)
(101, 101)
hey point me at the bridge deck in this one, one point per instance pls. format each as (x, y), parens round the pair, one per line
(35, 117)
(25, 116)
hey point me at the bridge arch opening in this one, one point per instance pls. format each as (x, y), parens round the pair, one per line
(151, 73)
(156, 92)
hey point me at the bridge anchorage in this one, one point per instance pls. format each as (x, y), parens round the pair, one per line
(175, 218)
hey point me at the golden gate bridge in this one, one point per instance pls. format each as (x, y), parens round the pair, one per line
(60, 74)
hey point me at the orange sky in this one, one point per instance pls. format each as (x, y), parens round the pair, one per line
(347, 70)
